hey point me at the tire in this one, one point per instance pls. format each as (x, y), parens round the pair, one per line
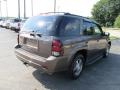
(106, 53)
(76, 66)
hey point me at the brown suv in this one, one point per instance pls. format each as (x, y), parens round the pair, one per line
(61, 41)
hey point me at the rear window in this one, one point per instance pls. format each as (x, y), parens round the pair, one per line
(40, 24)
(17, 20)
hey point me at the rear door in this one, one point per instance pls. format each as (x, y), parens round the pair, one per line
(70, 34)
(29, 42)
(33, 43)
(90, 40)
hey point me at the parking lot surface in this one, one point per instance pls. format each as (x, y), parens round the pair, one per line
(102, 75)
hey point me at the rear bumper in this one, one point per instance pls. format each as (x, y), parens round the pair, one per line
(49, 65)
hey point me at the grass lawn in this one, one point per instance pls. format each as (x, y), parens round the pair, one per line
(114, 32)
(113, 38)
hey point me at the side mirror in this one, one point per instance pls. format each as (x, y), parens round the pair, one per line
(106, 34)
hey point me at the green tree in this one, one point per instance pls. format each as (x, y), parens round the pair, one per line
(106, 11)
(117, 22)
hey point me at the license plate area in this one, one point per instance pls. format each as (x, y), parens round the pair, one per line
(32, 43)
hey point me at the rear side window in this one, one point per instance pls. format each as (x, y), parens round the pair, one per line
(70, 27)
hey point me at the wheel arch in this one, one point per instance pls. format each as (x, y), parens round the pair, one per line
(82, 52)
(109, 43)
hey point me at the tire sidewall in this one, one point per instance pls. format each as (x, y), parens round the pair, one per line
(107, 50)
(72, 74)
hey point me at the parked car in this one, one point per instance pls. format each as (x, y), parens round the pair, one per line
(57, 42)
(4, 23)
(15, 25)
(1, 22)
(22, 23)
(8, 23)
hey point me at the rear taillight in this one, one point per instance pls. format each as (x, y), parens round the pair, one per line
(18, 39)
(57, 49)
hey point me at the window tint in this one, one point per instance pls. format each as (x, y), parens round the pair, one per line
(91, 29)
(17, 20)
(97, 30)
(40, 24)
(88, 28)
(70, 27)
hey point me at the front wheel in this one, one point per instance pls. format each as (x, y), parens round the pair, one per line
(76, 66)
(107, 50)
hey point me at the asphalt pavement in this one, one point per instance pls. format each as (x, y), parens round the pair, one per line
(102, 75)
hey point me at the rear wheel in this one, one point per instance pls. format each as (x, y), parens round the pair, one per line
(76, 66)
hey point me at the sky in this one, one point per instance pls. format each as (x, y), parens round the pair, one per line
(79, 7)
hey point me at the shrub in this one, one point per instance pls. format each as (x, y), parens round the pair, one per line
(117, 22)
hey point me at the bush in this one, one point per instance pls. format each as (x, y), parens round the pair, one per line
(117, 22)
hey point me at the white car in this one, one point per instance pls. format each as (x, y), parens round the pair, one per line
(15, 25)
(1, 20)
(4, 23)
(1, 23)
(8, 22)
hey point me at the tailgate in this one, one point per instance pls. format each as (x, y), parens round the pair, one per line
(37, 45)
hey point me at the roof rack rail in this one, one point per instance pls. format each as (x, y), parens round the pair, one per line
(65, 13)
(77, 15)
(61, 13)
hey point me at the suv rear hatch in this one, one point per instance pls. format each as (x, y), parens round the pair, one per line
(37, 34)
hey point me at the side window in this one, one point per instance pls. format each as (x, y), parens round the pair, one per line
(88, 28)
(91, 29)
(70, 27)
(97, 30)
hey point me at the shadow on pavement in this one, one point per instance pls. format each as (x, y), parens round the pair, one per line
(101, 75)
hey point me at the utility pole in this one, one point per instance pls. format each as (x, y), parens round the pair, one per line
(54, 5)
(19, 9)
(24, 8)
(6, 8)
(32, 7)
(0, 9)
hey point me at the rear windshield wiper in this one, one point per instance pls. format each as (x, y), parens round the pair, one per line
(35, 34)
(38, 34)
(31, 34)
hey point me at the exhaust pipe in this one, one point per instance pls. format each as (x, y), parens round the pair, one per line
(26, 64)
